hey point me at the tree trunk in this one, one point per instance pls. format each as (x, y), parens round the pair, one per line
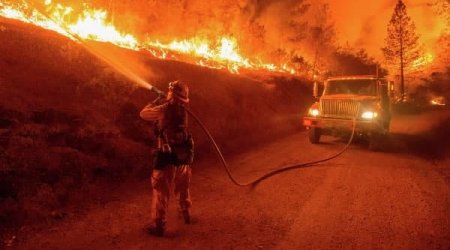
(402, 79)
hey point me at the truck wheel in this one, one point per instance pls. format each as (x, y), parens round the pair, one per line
(314, 135)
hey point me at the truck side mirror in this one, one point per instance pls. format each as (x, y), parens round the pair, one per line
(316, 90)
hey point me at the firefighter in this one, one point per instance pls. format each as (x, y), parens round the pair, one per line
(172, 157)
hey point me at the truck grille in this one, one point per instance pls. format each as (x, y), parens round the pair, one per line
(345, 109)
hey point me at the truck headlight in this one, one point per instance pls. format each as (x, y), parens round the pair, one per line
(314, 112)
(369, 115)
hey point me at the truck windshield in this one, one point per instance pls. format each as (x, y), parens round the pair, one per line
(354, 87)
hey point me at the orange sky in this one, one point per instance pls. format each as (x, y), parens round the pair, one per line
(363, 23)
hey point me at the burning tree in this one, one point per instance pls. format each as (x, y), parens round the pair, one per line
(402, 47)
(442, 8)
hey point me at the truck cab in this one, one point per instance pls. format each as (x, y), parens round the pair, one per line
(363, 99)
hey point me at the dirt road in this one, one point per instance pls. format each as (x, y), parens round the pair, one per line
(361, 200)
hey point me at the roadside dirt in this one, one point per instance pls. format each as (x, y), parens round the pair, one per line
(361, 200)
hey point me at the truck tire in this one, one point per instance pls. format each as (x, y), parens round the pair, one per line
(314, 135)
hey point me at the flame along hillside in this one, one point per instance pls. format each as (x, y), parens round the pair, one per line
(208, 48)
(69, 122)
(91, 24)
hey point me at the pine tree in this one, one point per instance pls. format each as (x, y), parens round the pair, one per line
(322, 35)
(402, 47)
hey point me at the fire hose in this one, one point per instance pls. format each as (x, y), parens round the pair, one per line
(160, 94)
(276, 171)
(280, 170)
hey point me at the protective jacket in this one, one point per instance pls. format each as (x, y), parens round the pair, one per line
(175, 144)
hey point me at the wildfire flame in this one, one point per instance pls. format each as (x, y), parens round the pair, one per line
(93, 24)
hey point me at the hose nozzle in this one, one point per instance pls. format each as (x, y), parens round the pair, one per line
(158, 92)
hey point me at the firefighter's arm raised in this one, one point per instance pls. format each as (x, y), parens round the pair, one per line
(152, 113)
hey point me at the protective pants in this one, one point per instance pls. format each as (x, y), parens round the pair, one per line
(177, 177)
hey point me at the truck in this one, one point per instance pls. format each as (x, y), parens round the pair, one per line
(345, 100)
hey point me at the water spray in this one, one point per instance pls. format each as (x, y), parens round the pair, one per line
(122, 69)
(141, 82)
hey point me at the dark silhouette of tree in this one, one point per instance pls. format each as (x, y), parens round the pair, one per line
(323, 36)
(402, 47)
(352, 61)
(434, 86)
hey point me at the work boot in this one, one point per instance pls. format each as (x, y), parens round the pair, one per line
(186, 216)
(157, 229)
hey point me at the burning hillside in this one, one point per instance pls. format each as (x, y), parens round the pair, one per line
(75, 75)
(69, 121)
(290, 37)
(59, 101)
(94, 24)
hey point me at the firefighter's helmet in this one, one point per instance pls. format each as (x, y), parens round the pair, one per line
(179, 90)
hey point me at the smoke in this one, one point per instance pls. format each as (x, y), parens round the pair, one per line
(363, 24)
(276, 31)
(268, 30)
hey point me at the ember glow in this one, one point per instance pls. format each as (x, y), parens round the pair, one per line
(423, 61)
(439, 101)
(93, 24)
